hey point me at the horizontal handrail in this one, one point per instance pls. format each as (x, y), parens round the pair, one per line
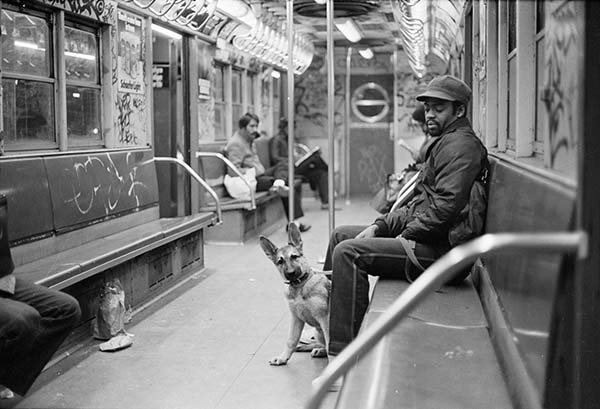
(435, 276)
(234, 168)
(198, 179)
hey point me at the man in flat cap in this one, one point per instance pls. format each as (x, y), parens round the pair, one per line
(454, 160)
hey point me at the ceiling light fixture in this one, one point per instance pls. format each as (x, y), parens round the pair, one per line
(320, 1)
(366, 53)
(350, 30)
(165, 31)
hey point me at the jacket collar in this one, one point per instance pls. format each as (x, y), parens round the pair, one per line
(458, 123)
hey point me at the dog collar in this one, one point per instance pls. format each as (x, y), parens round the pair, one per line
(299, 280)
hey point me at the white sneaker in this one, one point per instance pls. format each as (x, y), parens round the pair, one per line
(6, 393)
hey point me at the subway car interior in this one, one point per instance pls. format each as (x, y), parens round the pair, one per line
(123, 190)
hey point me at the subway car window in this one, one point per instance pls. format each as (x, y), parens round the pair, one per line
(512, 75)
(28, 81)
(219, 96)
(250, 80)
(83, 87)
(541, 116)
(236, 97)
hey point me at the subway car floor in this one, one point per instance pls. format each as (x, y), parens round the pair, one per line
(206, 343)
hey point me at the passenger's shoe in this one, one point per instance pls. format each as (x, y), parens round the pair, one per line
(304, 227)
(280, 188)
(325, 206)
(301, 226)
(6, 393)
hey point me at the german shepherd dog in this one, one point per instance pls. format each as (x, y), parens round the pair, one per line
(307, 294)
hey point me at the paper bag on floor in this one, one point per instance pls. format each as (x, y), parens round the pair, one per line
(110, 316)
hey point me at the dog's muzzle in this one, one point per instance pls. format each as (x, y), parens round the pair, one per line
(290, 276)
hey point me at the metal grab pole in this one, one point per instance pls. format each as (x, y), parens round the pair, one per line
(290, 106)
(347, 125)
(330, 114)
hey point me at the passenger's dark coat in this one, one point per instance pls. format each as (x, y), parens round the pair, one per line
(442, 190)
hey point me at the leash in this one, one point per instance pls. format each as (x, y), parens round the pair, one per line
(408, 246)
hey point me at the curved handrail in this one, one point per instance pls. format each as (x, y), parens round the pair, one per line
(434, 277)
(234, 168)
(197, 177)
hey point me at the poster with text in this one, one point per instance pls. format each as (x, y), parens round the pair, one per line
(131, 73)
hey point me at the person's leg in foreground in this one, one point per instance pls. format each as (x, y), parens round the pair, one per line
(352, 260)
(34, 322)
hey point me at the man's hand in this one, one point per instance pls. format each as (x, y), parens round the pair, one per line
(368, 233)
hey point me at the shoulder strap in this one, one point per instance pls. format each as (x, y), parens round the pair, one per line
(408, 249)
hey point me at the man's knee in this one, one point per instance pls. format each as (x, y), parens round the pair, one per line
(22, 324)
(69, 308)
(344, 251)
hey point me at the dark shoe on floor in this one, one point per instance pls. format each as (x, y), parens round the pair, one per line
(325, 206)
(301, 226)
(304, 227)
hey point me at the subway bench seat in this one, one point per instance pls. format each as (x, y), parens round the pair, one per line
(77, 221)
(440, 356)
(241, 222)
(483, 343)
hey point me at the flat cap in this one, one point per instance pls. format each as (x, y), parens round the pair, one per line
(447, 87)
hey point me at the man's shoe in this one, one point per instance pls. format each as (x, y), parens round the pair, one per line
(325, 206)
(6, 393)
(304, 227)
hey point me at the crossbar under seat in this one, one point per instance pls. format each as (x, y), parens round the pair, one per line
(65, 268)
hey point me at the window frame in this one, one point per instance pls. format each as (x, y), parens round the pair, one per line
(97, 32)
(36, 144)
(57, 23)
(222, 68)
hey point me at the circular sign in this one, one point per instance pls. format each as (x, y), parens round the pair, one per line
(370, 102)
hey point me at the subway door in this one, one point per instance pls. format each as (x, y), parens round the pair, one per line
(170, 124)
(371, 140)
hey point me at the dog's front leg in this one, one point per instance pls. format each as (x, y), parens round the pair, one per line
(323, 339)
(296, 326)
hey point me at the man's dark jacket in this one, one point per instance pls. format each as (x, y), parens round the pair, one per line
(442, 190)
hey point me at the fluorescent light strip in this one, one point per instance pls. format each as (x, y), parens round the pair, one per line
(26, 44)
(79, 55)
(166, 31)
(350, 30)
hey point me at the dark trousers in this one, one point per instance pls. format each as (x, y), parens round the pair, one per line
(351, 261)
(265, 181)
(317, 178)
(33, 324)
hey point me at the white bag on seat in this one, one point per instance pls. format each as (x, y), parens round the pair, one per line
(237, 188)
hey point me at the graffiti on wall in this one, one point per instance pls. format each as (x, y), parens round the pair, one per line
(131, 119)
(310, 94)
(101, 10)
(562, 79)
(130, 107)
(408, 86)
(98, 183)
(206, 106)
(371, 167)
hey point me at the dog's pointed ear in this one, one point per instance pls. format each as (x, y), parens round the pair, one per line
(268, 247)
(294, 237)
